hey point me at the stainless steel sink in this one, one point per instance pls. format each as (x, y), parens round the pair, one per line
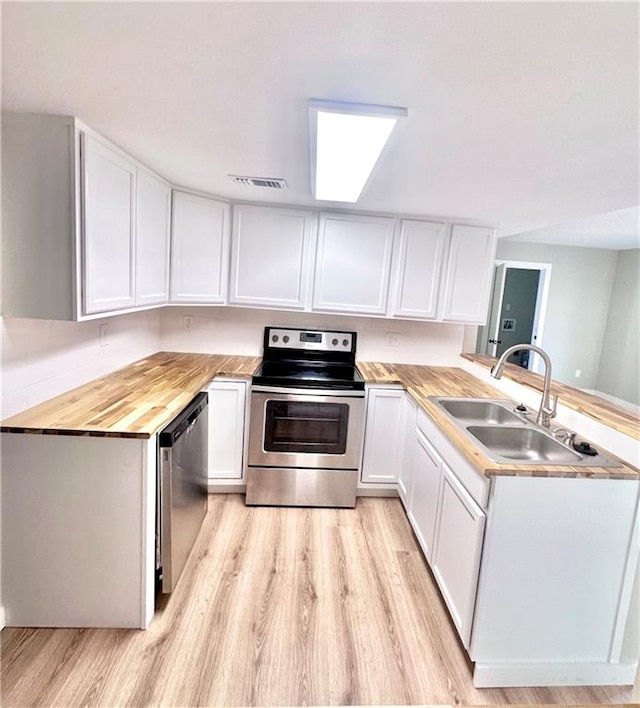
(523, 443)
(480, 411)
(507, 436)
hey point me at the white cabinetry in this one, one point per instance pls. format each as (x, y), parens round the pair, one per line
(199, 249)
(227, 416)
(425, 491)
(109, 188)
(405, 475)
(467, 279)
(84, 224)
(271, 257)
(153, 220)
(422, 248)
(457, 549)
(353, 263)
(384, 436)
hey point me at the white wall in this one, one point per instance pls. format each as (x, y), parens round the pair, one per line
(579, 295)
(619, 371)
(43, 358)
(239, 331)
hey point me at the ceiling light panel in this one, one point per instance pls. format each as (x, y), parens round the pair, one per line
(346, 140)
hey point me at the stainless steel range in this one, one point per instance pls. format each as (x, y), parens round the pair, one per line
(307, 420)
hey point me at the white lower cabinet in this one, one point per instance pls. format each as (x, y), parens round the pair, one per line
(384, 435)
(425, 490)
(457, 549)
(227, 416)
(405, 473)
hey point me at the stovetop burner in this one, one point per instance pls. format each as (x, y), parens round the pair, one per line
(309, 359)
(309, 374)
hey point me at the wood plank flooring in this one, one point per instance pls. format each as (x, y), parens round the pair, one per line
(276, 607)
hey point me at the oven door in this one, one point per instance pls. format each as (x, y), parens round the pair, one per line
(306, 429)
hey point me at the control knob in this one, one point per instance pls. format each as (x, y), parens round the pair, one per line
(285, 339)
(334, 341)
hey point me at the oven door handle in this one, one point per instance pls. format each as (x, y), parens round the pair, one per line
(344, 393)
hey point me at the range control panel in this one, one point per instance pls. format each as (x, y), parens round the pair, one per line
(306, 339)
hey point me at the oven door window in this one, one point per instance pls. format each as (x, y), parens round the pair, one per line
(305, 427)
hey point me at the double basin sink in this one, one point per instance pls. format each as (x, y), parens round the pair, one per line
(509, 437)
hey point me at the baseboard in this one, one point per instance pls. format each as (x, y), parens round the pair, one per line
(1, 618)
(553, 674)
(226, 488)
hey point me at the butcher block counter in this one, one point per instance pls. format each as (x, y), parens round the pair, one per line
(134, 402)
(421, 382)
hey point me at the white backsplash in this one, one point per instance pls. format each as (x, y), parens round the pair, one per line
(43, 358)
(240, 331)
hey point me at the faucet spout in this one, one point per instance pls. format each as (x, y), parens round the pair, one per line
(548, 404)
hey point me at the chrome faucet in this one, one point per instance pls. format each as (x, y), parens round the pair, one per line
(548, 404)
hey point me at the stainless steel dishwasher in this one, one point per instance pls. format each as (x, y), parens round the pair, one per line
(182, 489)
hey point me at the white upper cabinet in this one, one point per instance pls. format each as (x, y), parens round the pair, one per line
(353, 263)
(271, 257)
(109, 184)
(153, 222)
(199, 249)
(468, 274)
(422, 247)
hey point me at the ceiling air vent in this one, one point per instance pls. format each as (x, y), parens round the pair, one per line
(270, 182)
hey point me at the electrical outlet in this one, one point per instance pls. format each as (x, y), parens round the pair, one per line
(578, 373)
(103, 329)
(391, 339)
(187, 322)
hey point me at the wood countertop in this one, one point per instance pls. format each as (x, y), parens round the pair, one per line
(606, 412)
(134, 402)
(424, 381)
(140, 399)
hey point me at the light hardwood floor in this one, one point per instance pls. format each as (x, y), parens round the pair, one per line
(276, 607)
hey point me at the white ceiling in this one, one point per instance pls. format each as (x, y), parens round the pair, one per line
(520, 114)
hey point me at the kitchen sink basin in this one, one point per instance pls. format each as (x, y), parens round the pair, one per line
(480, 411)
(507, 436)
(523, 443)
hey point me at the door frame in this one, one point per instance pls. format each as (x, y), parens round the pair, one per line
(542, 300)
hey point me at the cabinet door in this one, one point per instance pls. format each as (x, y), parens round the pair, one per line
(384, 435)
(270, 257)
(468, 274)
(422, 245)
(425, 489)
(353, 263)
(153, 215)
(227, 405)
(108, 181)
(199, 249)
(457, 549)
(405, 475)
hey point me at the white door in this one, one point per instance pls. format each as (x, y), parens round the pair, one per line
(153, 220)
(108, 182)
(384, 436)
(422, 246)
(457, 549)
(468, 274)
(353, 263)
(425, 488)
(227, 408)
(493, 327)
(405, 475)
(271, 257)
(199, 249)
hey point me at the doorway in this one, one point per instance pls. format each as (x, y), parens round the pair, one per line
(517, 311)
